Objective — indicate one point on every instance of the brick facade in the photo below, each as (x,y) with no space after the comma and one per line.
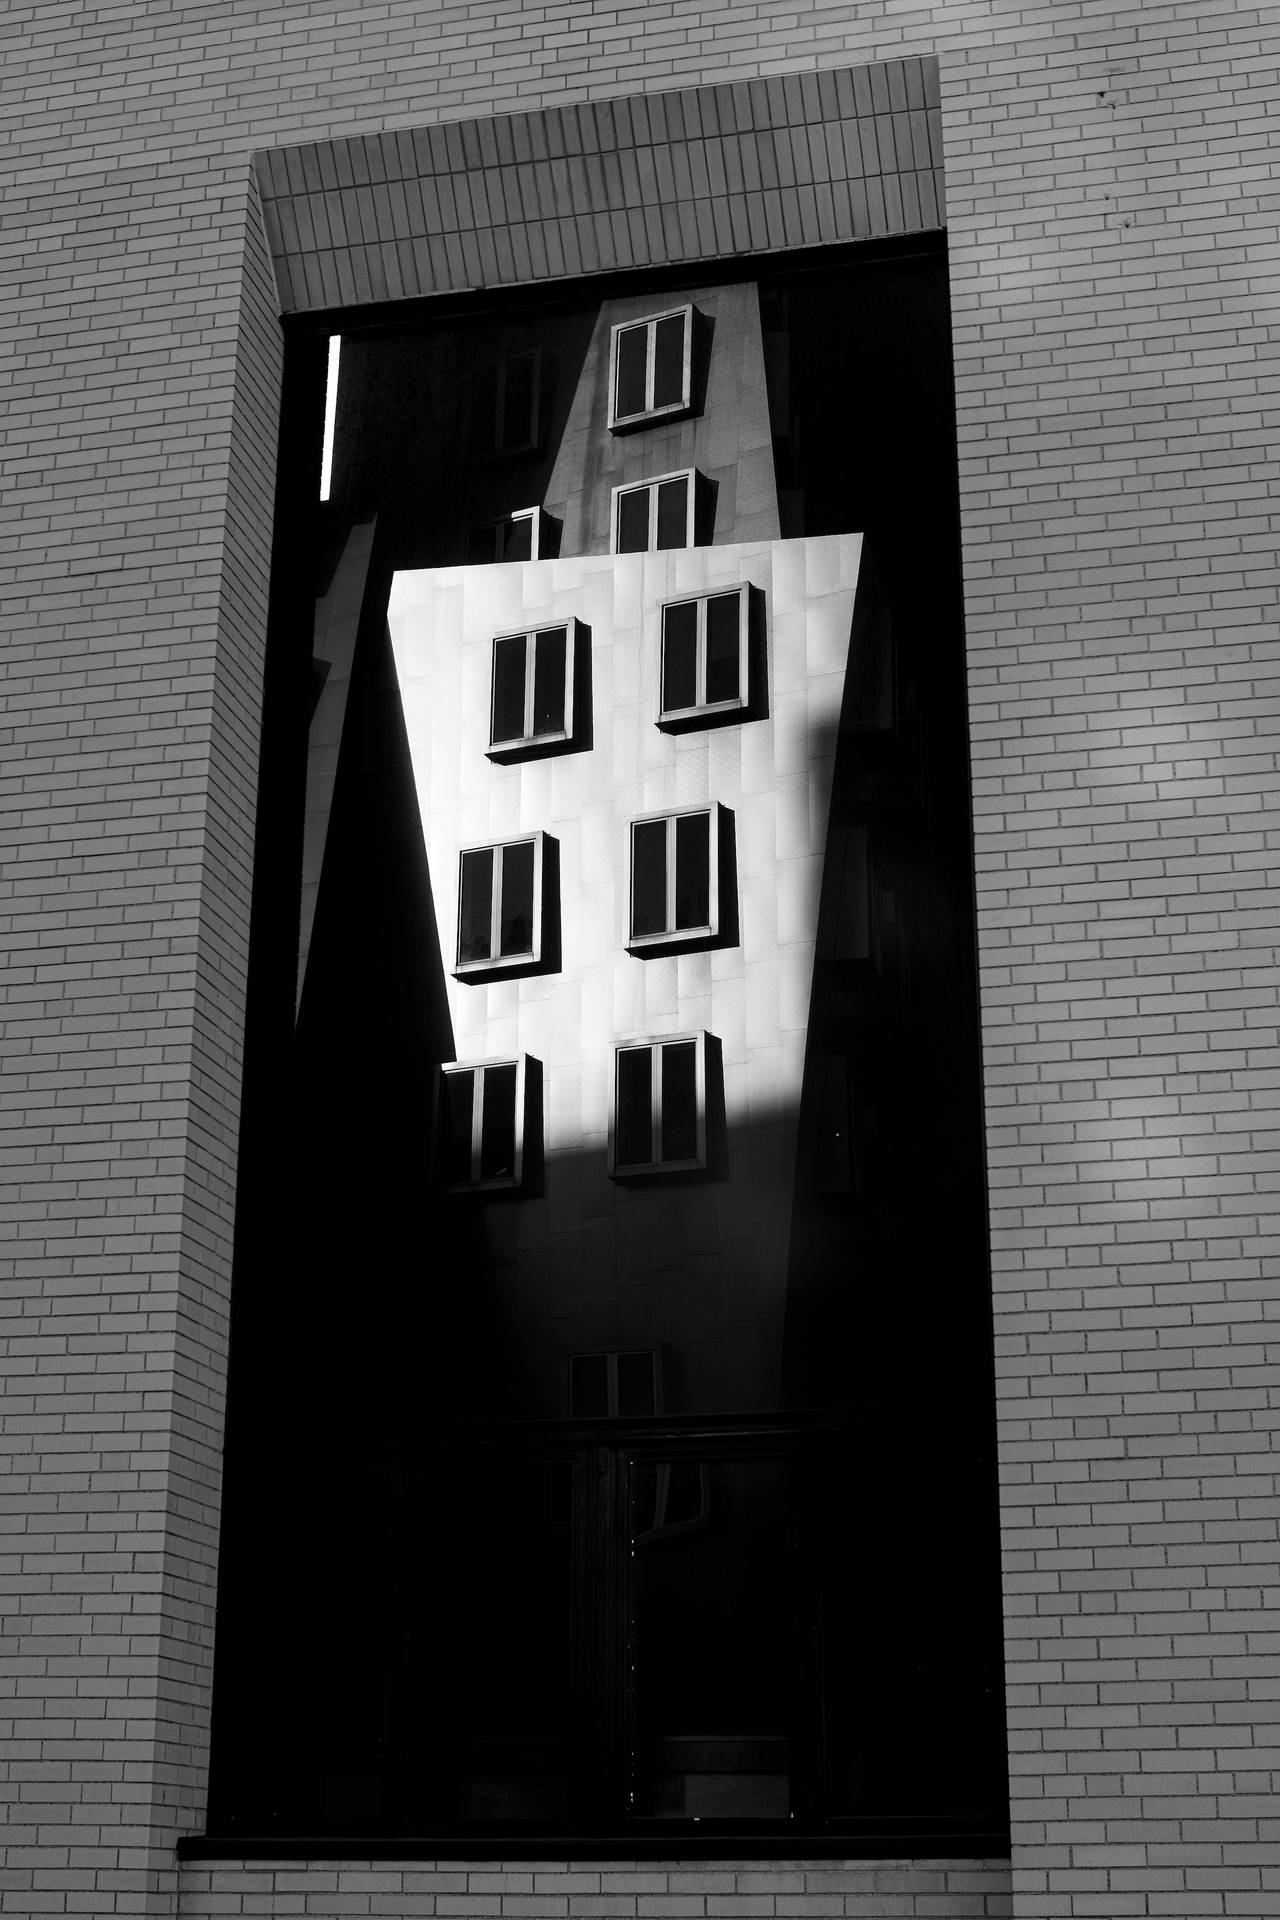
(1112,238)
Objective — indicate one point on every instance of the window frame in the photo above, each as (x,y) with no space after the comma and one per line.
(611,1356)
(534,514)
(704,708)
(479,1069)
(689,474)
(656,1168)
(497,964)
(673,936)
(490,447)
(529,743)
(671,409)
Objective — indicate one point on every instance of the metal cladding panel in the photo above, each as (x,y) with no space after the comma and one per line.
(678,182)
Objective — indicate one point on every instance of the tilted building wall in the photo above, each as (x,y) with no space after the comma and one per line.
(1111,237)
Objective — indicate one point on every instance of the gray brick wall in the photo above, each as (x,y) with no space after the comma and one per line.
(618,1890)
(1113,243)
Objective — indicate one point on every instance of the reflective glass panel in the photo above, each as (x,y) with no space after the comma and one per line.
(635,1385)
(693,871)
(475,911)
(633,521)
(548,681)
(589,1386)
(456,1106)
(483,545)
(634,1135)
(498,1124)
(715,1640)
(516,918)
(649,877)
(673,514)
(724,615)
(508,689)
(517,538)
(680,656)
(632,351)
(680,1101)
(518,418)
(668,362)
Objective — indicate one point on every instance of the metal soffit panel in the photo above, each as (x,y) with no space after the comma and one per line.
(791,160)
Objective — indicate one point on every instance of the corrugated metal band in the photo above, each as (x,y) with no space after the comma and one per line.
(793,160)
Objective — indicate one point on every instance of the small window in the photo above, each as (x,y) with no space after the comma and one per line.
(614,1386)
(656,515)
(518,536)
(504,406)
(704,655)
(480,1139)
(659,1108)
(651,369)
(500,907)
(532,695)
(675,892)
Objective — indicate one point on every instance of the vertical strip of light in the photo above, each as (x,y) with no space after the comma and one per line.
(330,414)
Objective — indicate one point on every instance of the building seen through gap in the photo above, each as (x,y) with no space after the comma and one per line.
(635,1021)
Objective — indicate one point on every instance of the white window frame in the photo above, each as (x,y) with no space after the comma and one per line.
(611,1357)
(528,740)
(535,539)
(646,1169)
(639,486)
(668,715)
(619,422)
(478,1069)
(673,935)
(468,969)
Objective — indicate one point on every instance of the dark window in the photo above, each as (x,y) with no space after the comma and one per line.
(660,1107)
(634,1127)
(532,688)
(656,516)
(608,1386)
(475,912)
(633,521)
(652,369)
(499,900)
(673,877)
(704,654)
(680,625)
(481,1134)
(515,537)
(504,406)
(631,371)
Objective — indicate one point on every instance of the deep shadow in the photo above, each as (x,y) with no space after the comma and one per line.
(398,1539)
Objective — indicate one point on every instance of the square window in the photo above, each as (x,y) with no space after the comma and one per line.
(504,406)
(651,369)
(481,1128)
(675,878)
(531,703)
(659,1108)
(500,907)
(656,515)
(704,664)
(517,536)
(614,1386)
